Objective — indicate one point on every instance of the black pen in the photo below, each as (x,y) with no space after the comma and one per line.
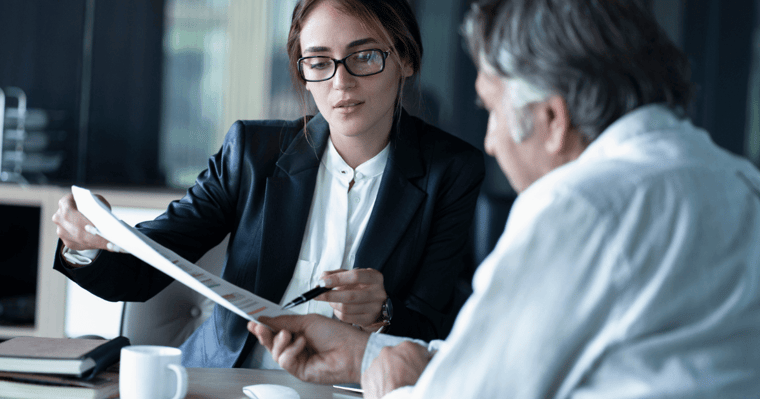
(306,296)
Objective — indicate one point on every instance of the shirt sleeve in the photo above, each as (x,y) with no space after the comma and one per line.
(401,393)
(83,257)
(379,341)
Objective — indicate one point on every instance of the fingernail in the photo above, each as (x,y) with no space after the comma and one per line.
(114,248)
(324,282)
(91,229)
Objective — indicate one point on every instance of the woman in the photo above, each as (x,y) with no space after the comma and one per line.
(362,196)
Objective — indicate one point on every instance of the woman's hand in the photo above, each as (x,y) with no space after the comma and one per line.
(75,230)
(358,296)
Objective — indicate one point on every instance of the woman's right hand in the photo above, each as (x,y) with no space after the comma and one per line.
(75,230)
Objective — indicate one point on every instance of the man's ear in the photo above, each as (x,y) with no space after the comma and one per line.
(557,123)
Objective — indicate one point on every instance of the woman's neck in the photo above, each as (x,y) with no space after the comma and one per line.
(359,149)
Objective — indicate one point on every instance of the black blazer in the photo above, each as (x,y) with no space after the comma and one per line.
(259,188)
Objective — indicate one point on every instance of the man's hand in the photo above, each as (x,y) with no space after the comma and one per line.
(75,230)
(313,347)
(358,296)
(395,367)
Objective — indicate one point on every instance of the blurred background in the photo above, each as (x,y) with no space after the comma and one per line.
(140,93)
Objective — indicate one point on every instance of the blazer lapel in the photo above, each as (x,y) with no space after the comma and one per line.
(287,200)
(397,199)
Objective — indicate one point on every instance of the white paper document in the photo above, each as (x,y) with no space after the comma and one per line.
(232,297)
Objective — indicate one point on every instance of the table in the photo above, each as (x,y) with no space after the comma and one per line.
(206,383)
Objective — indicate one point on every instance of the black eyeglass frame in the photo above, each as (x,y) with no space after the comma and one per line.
(342,61)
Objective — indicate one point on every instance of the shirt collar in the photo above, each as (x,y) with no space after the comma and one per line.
(637,123)
(338,167)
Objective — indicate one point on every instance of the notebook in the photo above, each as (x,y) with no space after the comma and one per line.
(66,356)
(39,386)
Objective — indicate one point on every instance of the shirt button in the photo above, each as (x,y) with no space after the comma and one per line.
(356,200)
(359,175)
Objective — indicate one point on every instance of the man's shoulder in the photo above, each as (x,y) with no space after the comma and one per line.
(679,173)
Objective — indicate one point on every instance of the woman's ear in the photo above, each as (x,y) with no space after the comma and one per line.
(406,69)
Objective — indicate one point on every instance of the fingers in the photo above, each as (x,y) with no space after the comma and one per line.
(70,227)
(281,341)
(357,286)
(358,295)
(296,324)
(76,231)
(374,307)
(291,354)
(337,278)
(286,351)
(262,333)
(109,245)
(278,345)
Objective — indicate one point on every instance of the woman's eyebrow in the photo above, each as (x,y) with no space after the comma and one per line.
(360,42)
(355,43)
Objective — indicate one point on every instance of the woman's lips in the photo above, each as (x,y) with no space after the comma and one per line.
(347,106)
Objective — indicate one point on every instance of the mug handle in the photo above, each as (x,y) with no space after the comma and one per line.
(181,374)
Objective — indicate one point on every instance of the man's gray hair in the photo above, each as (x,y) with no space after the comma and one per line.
(604,57)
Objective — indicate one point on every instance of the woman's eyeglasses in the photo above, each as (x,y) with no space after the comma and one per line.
(360,63)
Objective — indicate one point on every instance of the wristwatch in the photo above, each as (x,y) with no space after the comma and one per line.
(386,314)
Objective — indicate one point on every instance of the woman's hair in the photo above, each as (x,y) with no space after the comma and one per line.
(604,57)
(393,20)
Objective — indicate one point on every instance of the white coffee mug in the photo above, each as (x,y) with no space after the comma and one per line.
(151,372)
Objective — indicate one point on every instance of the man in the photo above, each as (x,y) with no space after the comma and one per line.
(629,264)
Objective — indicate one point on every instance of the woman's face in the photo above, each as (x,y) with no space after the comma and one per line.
(360,107)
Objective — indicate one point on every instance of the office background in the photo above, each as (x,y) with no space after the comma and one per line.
(144,90)
(136,95)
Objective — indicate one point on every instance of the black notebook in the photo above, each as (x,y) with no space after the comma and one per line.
(67,356)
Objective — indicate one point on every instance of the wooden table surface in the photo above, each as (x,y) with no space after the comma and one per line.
(228,384)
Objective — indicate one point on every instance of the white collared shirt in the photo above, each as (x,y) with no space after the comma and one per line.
(336,224)
(337,220)
(632,272)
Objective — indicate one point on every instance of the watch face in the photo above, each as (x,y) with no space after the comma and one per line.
(388,309)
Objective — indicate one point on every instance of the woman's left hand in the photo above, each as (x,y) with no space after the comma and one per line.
(358,296)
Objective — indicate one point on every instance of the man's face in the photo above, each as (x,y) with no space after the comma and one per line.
(524,162)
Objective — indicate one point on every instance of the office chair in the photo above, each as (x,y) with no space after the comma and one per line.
(488,224)
(174,313)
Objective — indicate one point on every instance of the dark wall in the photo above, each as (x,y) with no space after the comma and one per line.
(718,40)
(125,108)
(108,92)
(40,52)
